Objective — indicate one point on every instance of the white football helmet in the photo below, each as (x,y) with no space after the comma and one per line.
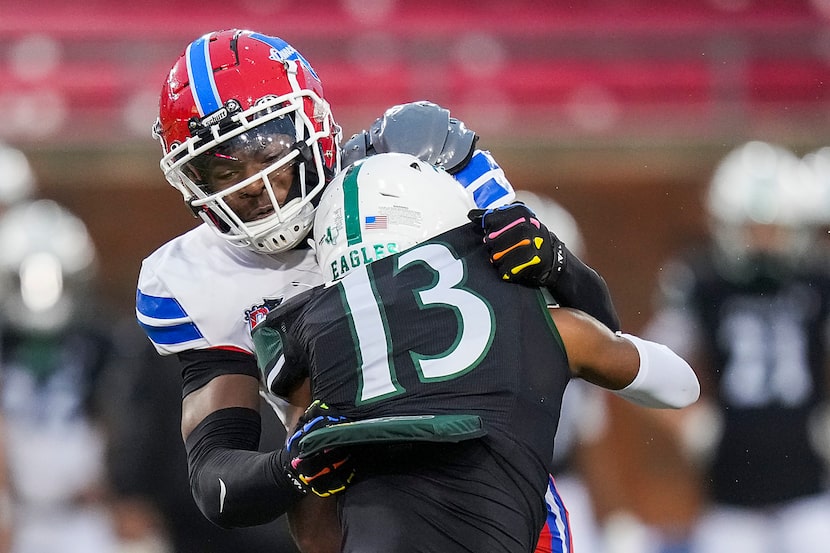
(17,180)
(817,168)
(47,261)
(760,202)
(382,205)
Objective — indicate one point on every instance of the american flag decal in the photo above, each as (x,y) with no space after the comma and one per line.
(376,222)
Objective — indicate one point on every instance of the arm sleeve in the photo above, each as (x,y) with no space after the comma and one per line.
(580,287)
(664,381)
(200,366)
(233,484)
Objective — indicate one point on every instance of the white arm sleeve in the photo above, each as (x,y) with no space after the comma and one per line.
(665,380)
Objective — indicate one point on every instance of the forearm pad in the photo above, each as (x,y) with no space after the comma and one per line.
(580,287)
(664,381)
(233,484)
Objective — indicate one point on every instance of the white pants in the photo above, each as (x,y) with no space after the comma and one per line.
(82,530)
(801,526)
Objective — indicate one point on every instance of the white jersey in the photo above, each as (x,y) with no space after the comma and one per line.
(197,291)
(200,292)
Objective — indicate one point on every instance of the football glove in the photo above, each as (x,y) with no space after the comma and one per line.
(325,472)
(520,247)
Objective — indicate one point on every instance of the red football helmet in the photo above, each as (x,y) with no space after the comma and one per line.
(237,91)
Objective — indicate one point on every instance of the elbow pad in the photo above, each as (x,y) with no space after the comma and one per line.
(233,484)
(665,380)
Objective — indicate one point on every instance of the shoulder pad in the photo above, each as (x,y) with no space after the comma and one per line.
(423,129)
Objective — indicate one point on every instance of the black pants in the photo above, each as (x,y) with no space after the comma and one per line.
(440,498)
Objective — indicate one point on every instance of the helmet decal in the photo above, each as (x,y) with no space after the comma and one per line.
(351,206)
(283,51)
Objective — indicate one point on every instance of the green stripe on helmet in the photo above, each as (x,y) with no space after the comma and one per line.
(351,205)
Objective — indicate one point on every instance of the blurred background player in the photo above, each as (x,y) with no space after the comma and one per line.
(17,183)
(17,180)
(52,358)
(751,310)
(816,171)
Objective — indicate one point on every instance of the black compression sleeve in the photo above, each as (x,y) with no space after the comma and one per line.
(580,287)
(200,366)
(233,484)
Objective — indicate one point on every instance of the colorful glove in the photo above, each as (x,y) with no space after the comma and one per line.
(326,472)
(521,248)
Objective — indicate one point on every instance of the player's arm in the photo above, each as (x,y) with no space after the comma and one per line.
(643,372)
(525,252)
(233,484)
(428,132)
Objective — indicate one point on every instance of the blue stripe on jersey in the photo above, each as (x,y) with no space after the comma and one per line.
(493,189)
(557,520)
(200,73)
(157,307)
(488,193)
(285,51)
(175,334)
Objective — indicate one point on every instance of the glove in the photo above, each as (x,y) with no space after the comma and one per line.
(521,248)
(326,472)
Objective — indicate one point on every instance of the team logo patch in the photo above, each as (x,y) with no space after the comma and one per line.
(258,313)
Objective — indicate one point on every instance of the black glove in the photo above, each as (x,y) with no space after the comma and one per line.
(422,129)
(326,472)
(520,247)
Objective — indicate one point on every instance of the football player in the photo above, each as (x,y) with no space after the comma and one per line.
(54,356)
(416,336)
(752,308)
(250,142)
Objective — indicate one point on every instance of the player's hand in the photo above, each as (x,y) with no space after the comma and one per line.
(325,473)
(520,247)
